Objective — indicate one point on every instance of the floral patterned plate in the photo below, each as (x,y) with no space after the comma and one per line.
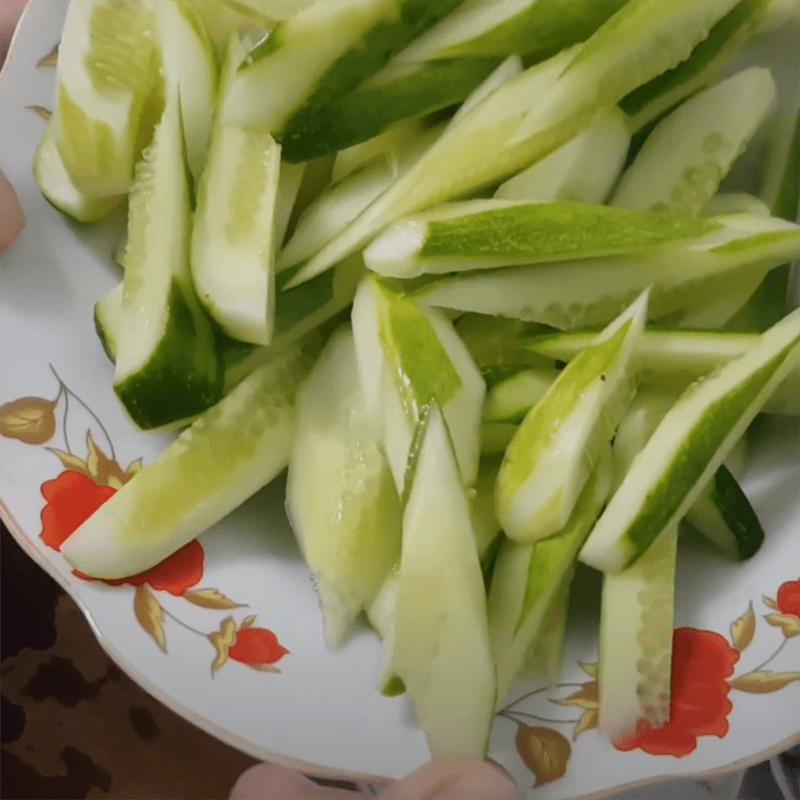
(227,631)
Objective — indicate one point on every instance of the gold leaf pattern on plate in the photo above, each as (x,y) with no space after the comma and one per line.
(763,681)
(264,668)
(247,621)
(211,598)
(589,669)
(44,113)
(742,629)
(587,722)
(768,601)
(70,461)
(544,751)
(788,623)
(105,470)
(587,697)
(30,419)
(222,640)
(51,59)
(150,615)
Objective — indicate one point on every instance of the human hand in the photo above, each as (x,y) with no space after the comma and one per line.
(452,779)
(12,220)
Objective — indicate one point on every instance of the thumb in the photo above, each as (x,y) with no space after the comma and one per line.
(12,220)
(454,779)
(271,782)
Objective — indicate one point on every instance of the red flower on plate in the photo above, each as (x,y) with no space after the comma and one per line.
(702,661)
(256,646)
(73,497)
(788,599)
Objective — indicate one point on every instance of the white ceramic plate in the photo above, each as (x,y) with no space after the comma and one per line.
(191,647)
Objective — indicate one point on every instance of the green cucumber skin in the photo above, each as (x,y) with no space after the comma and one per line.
(513,232)
(383,41)
(667,495)
(545,27)
(745,534)
(370,109)
(299,302)
(732,30)
(182,377)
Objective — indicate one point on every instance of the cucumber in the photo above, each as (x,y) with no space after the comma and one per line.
(735,203)
(674,357)
(441,645)
(545,658)
(640,41)
(448,169)
(716,312)
(497,436)
(407,359)
(723,514)
(527,27)
(168,364)
(226,455)
(590,291)
(552,455)
(704,66)
(583,170)
(188,71)
(689,152)
(339,204)
(485,525)
(107,101)
(108,320)
(511,399)
(301,67)
(340,495)
(688,446)
(486,234)
(636,625)
(379,147)
(527,578)
(290,178)
(233,237)
(57,187)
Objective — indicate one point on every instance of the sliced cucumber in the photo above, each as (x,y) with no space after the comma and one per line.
(57,187)
(107,69)
(704,66)
(448,169)
(382,146)
(108,321)
(640,41)
(226,455)
(290,179)
(340,496)
(441,645)
(407,359)
(555,450)
(484,234)
(583,170)
(339,204)
(497,436)
(188,71)
(545,657)
(636,625)
(735,203)
(723,514)
(672,358)
(688,446)
(590,291)
(511,399)
(168,364)
(233,238)
(527,578)
(689,152)
(526,27)
(485,525)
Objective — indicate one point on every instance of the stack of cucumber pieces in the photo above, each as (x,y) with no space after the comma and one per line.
(466,268)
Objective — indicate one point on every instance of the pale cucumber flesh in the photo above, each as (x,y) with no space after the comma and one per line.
(226,455)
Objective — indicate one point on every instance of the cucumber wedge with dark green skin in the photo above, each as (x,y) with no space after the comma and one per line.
(688,447)
(703,66)
(168,365)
